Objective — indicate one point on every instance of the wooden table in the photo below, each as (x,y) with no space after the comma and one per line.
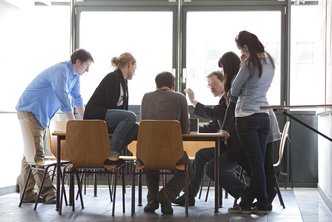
(215,137)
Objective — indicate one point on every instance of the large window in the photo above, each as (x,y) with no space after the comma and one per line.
(307,58)
(147,35)
(211,34)
(30,44)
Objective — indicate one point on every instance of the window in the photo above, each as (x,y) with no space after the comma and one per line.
(210,35)
(28,45)
(147,35)
(307,74)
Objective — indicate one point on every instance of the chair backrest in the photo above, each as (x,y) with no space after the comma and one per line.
(87,143)
(29,147)
(282,144)
(52,140)
(132,147)
(159,144)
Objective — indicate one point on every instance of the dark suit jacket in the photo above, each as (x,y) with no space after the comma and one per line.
(215,114)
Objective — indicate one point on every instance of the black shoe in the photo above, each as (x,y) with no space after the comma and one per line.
(181,200)
(259,211)
(166,206)
(239,210)
(269,208)
(151,207)
(114,162)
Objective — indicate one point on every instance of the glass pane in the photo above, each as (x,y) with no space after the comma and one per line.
(307,63)
(147,35)
(28,45)
(211,34)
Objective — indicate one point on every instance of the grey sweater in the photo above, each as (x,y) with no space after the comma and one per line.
(166,105)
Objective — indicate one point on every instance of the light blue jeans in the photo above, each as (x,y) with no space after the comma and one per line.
(122,124)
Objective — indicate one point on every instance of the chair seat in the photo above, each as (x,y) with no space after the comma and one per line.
(128,157)
(50,157)
(47,163)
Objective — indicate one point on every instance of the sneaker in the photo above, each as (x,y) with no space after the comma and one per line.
(166,206)
(259,211)
(51,200)
(151,207)
(40,200)
(239,210)
(114,162)
(269,208)
(181,200)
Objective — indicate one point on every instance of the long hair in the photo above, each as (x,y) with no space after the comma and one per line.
(255,47)
(230,63)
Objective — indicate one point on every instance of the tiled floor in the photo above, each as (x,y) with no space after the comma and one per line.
(302,204)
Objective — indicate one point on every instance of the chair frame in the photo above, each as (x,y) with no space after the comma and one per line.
(284,138)
(29,154)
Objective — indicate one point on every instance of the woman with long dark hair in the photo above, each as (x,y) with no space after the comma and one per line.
(247,95)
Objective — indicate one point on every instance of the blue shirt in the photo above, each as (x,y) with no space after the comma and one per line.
(50,91)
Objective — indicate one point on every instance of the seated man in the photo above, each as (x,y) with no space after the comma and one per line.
(165,104)
(205,156)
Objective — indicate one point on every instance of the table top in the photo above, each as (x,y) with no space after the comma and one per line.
(198,135)
(280,107)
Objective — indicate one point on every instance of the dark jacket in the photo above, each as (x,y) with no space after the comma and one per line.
(107,95)
(235,151)
(214,114)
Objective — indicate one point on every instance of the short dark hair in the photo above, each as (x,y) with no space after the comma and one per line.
(165,79)
(82,55)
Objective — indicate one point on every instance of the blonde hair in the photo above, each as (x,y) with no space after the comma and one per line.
(123,60)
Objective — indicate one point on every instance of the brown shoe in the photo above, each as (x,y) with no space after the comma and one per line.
(40,200)
(51,200)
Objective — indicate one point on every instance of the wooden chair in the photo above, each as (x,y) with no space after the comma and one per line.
(60,125)
(191,148)
(282,144)
(159,147)
(30,154)
(87,147)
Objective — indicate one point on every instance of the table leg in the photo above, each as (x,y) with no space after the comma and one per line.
(58,172)
(216,175)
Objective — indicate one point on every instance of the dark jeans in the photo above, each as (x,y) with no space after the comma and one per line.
(172,188)
(253,132)
(122,124)
(270,173)
(227,179)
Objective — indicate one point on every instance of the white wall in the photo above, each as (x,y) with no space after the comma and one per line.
(325,158)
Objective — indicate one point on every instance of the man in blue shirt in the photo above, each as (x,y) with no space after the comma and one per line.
(51,90)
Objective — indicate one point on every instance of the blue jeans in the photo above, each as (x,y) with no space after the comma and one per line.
(122,124)
(253,132)
(227,179)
